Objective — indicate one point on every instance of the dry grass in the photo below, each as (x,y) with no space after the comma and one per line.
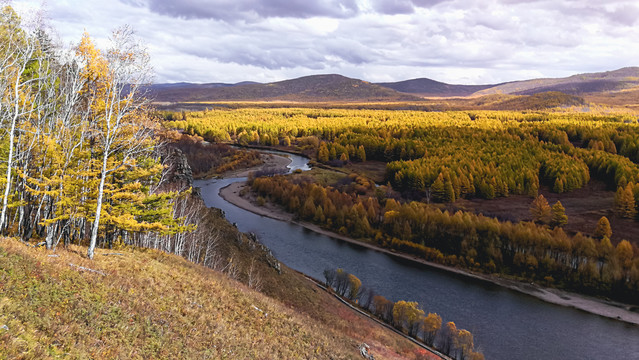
(154,305)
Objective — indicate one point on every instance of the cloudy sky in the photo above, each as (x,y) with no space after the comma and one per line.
(455,41)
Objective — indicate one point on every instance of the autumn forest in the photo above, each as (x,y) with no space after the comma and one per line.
(431,160)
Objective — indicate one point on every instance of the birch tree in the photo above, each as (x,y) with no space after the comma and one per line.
(120,131)
(16,52)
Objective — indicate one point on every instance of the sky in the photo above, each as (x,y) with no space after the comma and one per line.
(453,41)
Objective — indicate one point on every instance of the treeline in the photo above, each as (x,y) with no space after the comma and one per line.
(206,159)
(525,250)
(406,316)
(80,156)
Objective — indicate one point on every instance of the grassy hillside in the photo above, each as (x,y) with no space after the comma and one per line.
(149,304)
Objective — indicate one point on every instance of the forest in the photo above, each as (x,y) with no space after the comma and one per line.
(84,161)
(431,160)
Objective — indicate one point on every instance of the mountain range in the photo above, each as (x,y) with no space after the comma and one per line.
(332,87)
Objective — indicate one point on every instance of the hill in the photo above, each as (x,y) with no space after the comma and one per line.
(140,303)
(315,88)
(575,85)
(431,88)
(538,101)
(612,88)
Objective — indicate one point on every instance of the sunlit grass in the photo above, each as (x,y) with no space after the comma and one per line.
(151,305)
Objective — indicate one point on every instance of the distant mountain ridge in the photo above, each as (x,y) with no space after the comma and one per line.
(333,87)
(309,88)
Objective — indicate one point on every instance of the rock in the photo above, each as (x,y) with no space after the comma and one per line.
(178,170)
(364,351)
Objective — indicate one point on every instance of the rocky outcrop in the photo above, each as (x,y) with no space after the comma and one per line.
(178,172)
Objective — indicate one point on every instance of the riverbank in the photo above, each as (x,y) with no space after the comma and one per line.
(613,310)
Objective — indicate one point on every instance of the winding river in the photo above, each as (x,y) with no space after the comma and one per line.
(506,324)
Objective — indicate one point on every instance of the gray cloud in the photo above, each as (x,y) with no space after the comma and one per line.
(457,41)
(235,10)
(395,7)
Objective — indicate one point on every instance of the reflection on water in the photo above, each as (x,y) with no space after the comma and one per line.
(505,324)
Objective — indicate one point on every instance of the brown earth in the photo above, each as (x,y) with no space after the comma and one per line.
(584,208)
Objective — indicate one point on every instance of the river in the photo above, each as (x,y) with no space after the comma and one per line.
(506,324)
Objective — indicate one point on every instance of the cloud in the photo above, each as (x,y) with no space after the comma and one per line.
(394,7)
(460,41)
(249,10)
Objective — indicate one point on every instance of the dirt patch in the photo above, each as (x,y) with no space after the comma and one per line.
(374,170)
(584,207)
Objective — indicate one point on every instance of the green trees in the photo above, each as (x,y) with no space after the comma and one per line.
(21,65)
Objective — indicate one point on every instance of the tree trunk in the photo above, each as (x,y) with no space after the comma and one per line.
(96,222)
(7,190)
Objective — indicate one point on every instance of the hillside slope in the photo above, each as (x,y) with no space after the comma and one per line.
(309,88)
(575,85)
(148,304)
(431,88)
(337,88)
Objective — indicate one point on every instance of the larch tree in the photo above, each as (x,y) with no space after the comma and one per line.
(624,254)
(603,229)
(540,210)
(625,202)
(322,153)
(465,345)
(361,153)
(449,337)
(558,215)
(355,284)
